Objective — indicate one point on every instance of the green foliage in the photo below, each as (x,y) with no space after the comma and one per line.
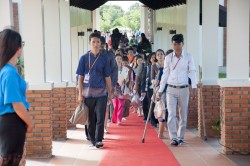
(217,125)
(20,66)
(113,16)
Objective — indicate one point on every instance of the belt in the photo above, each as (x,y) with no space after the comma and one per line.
(178,87)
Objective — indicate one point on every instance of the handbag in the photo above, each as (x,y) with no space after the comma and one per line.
(159,110)
(81,115)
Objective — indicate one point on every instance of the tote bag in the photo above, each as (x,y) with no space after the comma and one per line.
(81,115)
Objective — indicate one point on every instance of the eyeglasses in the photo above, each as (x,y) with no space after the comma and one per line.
(23,43)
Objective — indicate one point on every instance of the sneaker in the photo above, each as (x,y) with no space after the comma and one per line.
(174,143)
(181,142)
(91,145)
(99,145)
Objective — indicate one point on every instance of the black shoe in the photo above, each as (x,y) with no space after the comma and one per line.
(181,142)
(99,145)
(174,143)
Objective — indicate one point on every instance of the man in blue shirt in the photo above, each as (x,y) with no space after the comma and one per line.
(94,84)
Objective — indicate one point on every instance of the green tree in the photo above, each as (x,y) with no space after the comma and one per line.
(113,16)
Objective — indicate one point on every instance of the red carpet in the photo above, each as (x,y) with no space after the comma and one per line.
(123,146)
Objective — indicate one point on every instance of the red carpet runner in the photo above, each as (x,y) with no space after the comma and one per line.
(123,146)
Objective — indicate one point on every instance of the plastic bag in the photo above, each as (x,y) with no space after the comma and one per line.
(159,111)
(135,101)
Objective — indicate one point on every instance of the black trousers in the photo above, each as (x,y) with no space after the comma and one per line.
(97,110)
(12,138)
(152,116)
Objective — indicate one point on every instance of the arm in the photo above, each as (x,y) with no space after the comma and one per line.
(23,114)
(109,88)
(80,84)
(192,72)
(166,72)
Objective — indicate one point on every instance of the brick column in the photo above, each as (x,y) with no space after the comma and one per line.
(39,142)
(192,112)
(211,105)
(235,121)
(59,113)
(70,104)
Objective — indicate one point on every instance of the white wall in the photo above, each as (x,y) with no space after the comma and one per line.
(6,14)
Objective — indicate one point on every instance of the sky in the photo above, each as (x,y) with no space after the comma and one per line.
(124,4)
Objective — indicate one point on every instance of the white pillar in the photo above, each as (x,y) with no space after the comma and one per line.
(237,43)
(65,41)
(52,41)
(6,14)
(210,43)
(96,19)
(74,51)
(193,28)
(144,20)
(34,57)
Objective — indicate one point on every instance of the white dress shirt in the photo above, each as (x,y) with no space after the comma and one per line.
(177,71)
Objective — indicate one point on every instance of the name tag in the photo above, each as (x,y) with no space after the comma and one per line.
(86,78)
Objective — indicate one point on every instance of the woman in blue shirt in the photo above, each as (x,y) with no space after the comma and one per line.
(14,118)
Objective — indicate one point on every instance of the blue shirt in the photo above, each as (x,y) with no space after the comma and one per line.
(114,68)
(12,89)
(96,86)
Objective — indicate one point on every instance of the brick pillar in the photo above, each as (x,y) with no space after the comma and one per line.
(211,105)
(235,121)
(59,113)
(70,103)
(39,142)
(192,112)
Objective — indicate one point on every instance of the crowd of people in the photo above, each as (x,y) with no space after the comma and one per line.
(114,77)
(133,74)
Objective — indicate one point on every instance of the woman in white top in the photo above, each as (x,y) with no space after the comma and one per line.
(118,100)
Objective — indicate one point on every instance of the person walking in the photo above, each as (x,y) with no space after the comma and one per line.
(178,67)
(94,85)
(15,120)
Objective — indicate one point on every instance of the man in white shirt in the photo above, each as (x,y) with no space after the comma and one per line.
(178,67)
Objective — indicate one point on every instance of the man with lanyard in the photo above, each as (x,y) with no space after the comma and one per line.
(178,66)
(94,85)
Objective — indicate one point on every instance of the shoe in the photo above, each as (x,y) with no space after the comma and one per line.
(91,145)
(181,142)
(106,130)
(118,123)
(99,145)
(124,119)
(174,143)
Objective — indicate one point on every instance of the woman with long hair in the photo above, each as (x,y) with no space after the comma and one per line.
(156,74)
(14,118)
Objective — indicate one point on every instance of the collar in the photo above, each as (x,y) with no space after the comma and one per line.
(183,54)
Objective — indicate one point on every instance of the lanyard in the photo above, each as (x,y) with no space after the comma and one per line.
(176,62)
(90,67)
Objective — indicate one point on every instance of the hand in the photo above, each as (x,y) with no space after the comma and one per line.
(194,93)
(158,96)
(143,94)
(80,99)
(30,127)
(109,99)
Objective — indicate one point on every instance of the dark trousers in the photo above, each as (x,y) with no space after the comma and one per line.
(145,107)
(152,116)
(97,110)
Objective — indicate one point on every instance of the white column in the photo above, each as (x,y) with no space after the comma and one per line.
(6,14)
(65,41)
(34,60)
(210,43)
(96,19)
(52,41)
(237,43)
(144,20)
(193,28)
(74,51)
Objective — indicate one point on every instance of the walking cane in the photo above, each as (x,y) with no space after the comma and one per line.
(149,113)
(202,106)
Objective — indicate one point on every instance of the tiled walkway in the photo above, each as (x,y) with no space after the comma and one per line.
(75,152)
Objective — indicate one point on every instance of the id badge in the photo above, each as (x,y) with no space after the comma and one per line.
(86,78)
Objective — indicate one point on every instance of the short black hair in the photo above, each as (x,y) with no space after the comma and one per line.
(103,40)
(178,38)
(125,59)
(94,34)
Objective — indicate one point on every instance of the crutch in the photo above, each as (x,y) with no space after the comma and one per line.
(202,106)
(149,113)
